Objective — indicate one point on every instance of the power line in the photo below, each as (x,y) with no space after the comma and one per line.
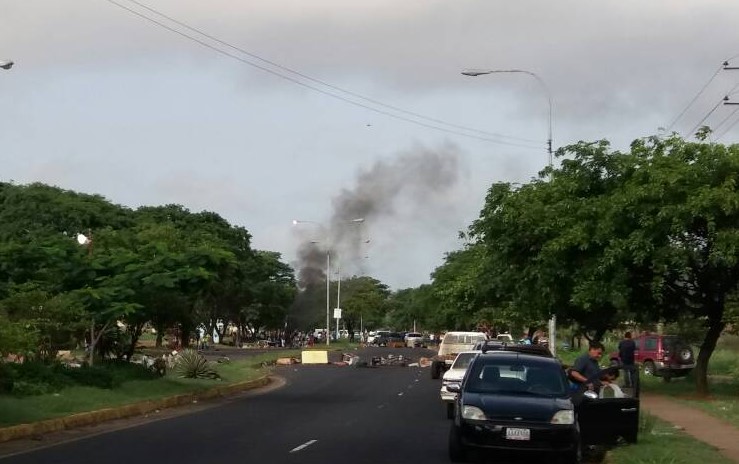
(726,119)
(692,131)
(700,92)
(322,91)
(730,126)
(321,82)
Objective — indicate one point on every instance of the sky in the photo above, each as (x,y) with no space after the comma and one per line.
(104,101)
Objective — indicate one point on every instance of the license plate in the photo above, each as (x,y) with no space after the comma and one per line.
(518,434)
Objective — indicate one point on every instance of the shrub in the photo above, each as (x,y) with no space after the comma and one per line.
(192,365)
(94,376)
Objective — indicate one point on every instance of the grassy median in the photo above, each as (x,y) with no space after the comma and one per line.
(75,399)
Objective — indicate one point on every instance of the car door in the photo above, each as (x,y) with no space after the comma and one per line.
(604,420)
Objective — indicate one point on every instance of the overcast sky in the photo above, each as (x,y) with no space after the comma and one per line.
(103,101)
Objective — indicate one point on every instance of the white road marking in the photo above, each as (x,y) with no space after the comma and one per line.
(380,406)
(400,394)
(303,446)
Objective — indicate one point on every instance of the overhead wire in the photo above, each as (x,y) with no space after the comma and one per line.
(692,131)
(723,121)
(322,91)
(730,126)
(321,82)
(700,92)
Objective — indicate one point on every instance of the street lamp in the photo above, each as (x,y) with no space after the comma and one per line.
(480,72)
(338,283)
(297,222)
(6,64)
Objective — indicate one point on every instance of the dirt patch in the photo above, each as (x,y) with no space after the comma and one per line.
(708,429)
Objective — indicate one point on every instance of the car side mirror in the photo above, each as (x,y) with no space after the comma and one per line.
(454,388)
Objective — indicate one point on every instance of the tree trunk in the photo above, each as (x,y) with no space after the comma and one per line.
(715,327)
(95,338)
(135,335)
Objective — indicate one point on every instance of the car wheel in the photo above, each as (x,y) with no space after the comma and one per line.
(435,369)
(574,457)
(596,454)
(450,410)
(649,368)
(457,453)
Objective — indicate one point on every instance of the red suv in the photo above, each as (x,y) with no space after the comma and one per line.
(662,355)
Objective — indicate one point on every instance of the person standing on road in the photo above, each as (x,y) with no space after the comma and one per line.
(626,349)
(586,366)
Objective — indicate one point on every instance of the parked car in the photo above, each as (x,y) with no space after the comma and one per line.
(375,334)
(454,376)
(451,344)
(414,339)
(512,403)
(666,356)
(387,338)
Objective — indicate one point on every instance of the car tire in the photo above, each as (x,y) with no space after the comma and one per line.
(649,368)
(596,454)
(574,457)
(457,452)
(450,410)
(435,369)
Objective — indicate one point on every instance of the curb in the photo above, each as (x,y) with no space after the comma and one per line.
(82,419)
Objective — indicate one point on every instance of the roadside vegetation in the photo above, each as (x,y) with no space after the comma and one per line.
(130,384)
(662,443)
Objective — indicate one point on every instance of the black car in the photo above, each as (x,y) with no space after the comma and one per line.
(386,338)
(513,404)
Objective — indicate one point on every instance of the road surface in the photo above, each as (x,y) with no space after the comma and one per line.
(322,414)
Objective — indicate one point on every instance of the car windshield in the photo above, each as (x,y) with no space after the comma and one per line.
(463,360)
(513,376)
(463,338)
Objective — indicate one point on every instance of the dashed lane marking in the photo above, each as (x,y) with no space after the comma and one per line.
(303,446)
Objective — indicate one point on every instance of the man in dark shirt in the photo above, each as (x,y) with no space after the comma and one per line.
(626,348)
(586,366)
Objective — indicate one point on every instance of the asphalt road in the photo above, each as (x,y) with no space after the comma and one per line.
(322,414)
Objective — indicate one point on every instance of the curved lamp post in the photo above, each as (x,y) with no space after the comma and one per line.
(480,72)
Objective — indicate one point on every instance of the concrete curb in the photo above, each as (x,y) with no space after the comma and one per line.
(129,410)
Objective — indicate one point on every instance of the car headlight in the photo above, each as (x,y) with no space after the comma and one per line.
(472,413)
(565,416)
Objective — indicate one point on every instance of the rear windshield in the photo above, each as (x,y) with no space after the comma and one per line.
(463,360)
(470,339)
(414,334)
(514,376)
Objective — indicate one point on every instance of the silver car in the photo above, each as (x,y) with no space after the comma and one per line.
(454,376)
(413,339)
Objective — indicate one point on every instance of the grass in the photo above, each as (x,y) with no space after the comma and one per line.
(666,445)
(80,399)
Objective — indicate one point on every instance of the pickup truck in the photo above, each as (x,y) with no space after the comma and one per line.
(452,344)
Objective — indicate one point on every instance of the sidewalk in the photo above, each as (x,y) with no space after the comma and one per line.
(694,422)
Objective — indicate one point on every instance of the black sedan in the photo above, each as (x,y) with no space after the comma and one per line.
(514,404)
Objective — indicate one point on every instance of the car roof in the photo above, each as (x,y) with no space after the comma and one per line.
(528,358)
(537,350)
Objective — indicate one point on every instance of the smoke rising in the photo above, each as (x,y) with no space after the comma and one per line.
(415,180)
